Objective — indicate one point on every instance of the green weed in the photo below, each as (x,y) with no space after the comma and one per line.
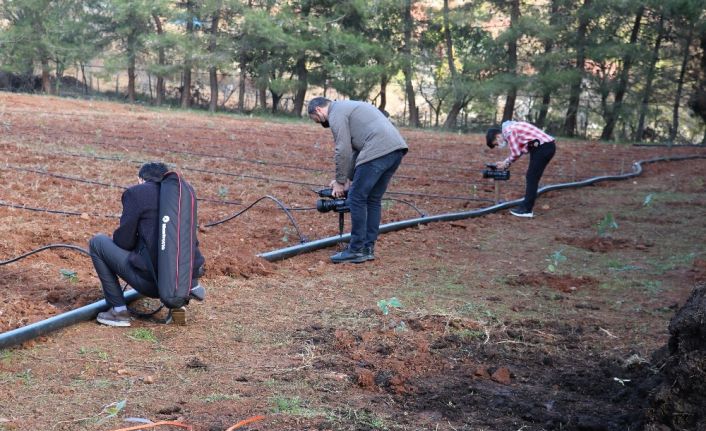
(25,376)
(143,334)
(220,397)
(606,225)
(477,312)
(292,406)
(386,304)
(653,287)
(69,274)
(88,351)
(222,192)
(362,418)
(554,260)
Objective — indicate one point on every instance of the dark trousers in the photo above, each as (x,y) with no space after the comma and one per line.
(370,181)
(539,159)
(112,262)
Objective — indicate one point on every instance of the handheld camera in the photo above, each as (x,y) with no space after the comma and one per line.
(495,173)
(330,203)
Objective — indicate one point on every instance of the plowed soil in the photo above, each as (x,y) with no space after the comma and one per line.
(485,334)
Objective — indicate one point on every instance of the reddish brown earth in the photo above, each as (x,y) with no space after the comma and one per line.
(487,337)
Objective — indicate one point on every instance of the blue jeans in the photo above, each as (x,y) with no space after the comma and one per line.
(370,181)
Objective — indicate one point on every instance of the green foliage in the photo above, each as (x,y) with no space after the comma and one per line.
(607,224)
(142,334)
(554,260)
(648,200)
(112,410)
(386,304)
(222,192)
(69,275)
(292,406)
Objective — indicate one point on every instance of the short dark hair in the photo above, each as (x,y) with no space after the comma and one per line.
(315,103)
(491,134)
(153,171)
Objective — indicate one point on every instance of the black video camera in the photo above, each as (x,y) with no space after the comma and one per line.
(495,173)
(331,203)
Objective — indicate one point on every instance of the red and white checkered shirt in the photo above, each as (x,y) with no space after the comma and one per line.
(518,135)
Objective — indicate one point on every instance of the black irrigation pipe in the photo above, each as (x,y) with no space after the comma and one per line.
(34,330)
(46,247)
(86,181)
(275,200)
(44,210)
(278,180)
(288,252)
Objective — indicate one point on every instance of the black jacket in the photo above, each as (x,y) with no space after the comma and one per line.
(139,226)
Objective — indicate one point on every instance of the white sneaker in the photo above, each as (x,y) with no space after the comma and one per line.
(520,212)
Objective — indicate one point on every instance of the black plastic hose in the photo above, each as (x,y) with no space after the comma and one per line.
(287,252)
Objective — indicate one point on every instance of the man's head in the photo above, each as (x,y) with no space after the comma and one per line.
(318,110)
(153,171)
(493,137)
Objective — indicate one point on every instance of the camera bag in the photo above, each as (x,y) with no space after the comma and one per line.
(176,245)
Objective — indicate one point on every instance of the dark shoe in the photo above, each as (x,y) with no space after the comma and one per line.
(349,256)
(521,212)
(178,316)
(369,252)
(113,318)
(198,293)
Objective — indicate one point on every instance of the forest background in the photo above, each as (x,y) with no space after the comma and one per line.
(609,69)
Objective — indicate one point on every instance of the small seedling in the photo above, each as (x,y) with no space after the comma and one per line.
(605,225)
(287,232)
(554,260)
(69,275)
(112,410)
(222,192)
(386,304)
(648,200)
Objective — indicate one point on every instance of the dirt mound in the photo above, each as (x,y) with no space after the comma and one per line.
(678,402)
(561,282)
(600,244)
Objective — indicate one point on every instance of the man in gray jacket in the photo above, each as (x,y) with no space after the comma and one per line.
(368,151)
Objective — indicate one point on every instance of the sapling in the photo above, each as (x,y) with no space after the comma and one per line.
(554,260)
(605,225)
(69,275)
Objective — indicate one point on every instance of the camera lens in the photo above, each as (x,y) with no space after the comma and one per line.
(325,205)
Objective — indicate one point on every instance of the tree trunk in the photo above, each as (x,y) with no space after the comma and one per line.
(548,47)
(680,86)
(648,84)
(459,101)
(83,74)
(383,92)
(212,71)
(241,84)
(614,113)
(263,97)
(407,68)
(452,117)
(46,81)
(186,83)
(161,59)
(512,62)
(575,91)
(302,86)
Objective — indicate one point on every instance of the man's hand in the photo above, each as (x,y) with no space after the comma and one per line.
(502,165)
(338,189)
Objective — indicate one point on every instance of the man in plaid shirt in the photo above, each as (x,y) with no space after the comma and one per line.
(523,138)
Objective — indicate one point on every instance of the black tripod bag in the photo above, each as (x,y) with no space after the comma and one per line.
(176,244)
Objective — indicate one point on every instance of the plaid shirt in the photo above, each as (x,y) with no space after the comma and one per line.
(518,135)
